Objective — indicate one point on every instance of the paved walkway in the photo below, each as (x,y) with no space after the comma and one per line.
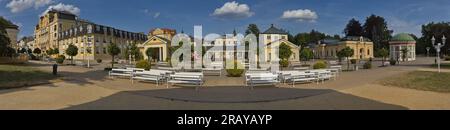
(353,90)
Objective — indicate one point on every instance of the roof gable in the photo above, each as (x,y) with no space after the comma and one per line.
(274,30)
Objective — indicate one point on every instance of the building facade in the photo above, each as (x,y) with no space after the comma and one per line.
(92,40)
(12,32)
(400,42)
(159,41)
(26,42)
(49,25)
(328,48)
(273,37)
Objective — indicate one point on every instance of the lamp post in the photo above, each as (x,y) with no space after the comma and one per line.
(428,51)
(129,54)
(438,47)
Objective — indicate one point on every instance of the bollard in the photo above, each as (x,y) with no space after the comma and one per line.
(55,69)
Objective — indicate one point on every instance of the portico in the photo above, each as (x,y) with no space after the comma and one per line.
(158,47)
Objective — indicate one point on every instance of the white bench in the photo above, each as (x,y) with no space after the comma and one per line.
(286,75)
(301,68)
(148,76)
(253,79)
(323,74)
(333,62)
(186,78)
(336,67)
(121,72)
(167,68)
(296,64)
(136,69)
(301,77)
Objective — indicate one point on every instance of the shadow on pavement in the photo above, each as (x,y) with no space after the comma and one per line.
(234,98)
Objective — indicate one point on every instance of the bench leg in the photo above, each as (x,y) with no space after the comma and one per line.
(293,84)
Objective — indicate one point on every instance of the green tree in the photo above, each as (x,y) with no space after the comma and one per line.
(353,28)
(72,51)
(306,54)
(377,30)
(384,54)
(253,29)
(23,50)
(347,52)
(113,50)
(134,51)
(285,51)
(37,51)
(437,30)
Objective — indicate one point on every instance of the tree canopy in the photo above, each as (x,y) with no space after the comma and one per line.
(285,51)
(437,30)
(353,28)
(376,29)
(72,51)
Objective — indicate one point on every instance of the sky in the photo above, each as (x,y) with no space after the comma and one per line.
(224,16)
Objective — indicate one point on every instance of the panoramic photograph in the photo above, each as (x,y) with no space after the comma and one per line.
(224,55)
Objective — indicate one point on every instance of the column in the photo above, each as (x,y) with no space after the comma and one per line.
(160,52)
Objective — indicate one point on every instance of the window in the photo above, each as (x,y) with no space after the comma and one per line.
(268,37)
(104,50)
(368,52)
(283,37)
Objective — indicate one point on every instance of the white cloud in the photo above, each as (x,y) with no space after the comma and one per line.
(156,15)
(63,7)
(233,10)
(153,14)
(20,5)
(300,15)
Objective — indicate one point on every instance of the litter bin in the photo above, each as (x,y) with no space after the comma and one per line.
(55,69)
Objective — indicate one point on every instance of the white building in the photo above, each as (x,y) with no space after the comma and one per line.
(398,43)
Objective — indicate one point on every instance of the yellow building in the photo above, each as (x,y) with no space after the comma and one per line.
(274,36)
(92,40)
(159,41)
(328,48)
(49,25)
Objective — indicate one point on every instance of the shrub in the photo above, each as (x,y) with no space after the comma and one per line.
(143,64)
(235,72)
(237,69)
(368,65)
(99,60)
(392,62)
(353,61)
(284,63)
(320,65)
(60,59)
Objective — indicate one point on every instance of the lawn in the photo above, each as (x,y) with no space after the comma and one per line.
(421,80)
(20,76)
(443,65)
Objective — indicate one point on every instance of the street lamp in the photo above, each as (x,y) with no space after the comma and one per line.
(428,51)
(438,47)
(129,54)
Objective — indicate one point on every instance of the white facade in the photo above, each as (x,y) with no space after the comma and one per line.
(396,51)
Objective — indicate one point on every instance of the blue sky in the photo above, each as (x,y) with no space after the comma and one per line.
(222,16)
